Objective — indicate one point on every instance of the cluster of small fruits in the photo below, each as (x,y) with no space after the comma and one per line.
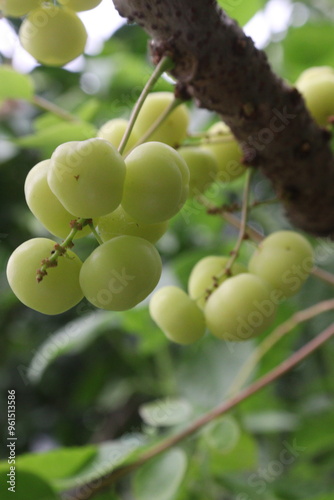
(52,34)
(126,198)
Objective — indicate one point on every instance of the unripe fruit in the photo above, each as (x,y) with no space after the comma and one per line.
(240,309)
(45,205)
(87,177)
(18,8)
(113,131)
(120,273)
(119,222)
(284,259)
(173,130)
(58,291)
(80,5)
(53,35)
(177,315)
(317,88)
(201,277)
(156,183)
(228,154)
(203,168)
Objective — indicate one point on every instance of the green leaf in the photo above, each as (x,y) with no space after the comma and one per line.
(161,478)
(47,139)
(27,485)
(139,323)
(166,412)
(244,455)
(241,11)
(270,421)
(74,337)
(14,85)
(221,435)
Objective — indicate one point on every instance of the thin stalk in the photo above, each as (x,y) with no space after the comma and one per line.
(46,105)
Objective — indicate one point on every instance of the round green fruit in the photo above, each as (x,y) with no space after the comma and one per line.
(80,5)
(284,259)
(228,154)
(53,35)
(120,273)
(45,205)
(119,222)
(156,183)
(314,72)
(113,131)
(202,276)
(203,168)
(177,315)
(240,309)
(18,8)
(87,177)
(174,128)
(58,291)
(317,88)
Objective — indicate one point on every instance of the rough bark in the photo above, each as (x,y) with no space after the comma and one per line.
(217,65)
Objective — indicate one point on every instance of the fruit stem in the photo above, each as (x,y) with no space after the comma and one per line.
(60,250)
(95,233)
(164,64)
(42,103)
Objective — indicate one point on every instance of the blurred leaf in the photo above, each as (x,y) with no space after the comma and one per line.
(241,10)
(47,139)
(166,412)
(222,435)
(72,338)
(139,323)
(270,421)
(160,478)
(244,455)
(14,85)
(27,485)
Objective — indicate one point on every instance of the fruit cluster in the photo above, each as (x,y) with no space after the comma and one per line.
(126,197)
(52,34)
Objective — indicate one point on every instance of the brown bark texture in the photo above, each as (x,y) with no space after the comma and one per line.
(219,66)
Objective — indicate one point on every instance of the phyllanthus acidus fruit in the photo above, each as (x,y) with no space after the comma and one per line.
(45,205)
(58,291)
(120,273)
(156,183)
(87,177)
(317,87)
(203,168)
(207,273)
(119,223)
(53,35)
(284,259)
(18,8)
(228,154)
(80,5)
(177,315)
(114,130)
(173,130)
(240,309)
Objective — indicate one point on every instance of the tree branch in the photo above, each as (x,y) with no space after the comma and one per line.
(219,66)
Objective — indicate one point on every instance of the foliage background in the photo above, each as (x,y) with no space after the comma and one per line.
(84,376)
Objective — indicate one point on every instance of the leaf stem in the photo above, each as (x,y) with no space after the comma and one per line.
(165,64)
(46,105)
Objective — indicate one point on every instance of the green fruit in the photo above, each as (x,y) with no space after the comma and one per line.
(173,130)
(18,8)
(80,5)
(156,183)
(45,205)
(240,309)
(113,131)
(53,35)
(177,315)
(317,87)
(120,273)
(87,177)
(284,259)
(228,154)
(203,168)
(58,291)
(119,222)
(201,277)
